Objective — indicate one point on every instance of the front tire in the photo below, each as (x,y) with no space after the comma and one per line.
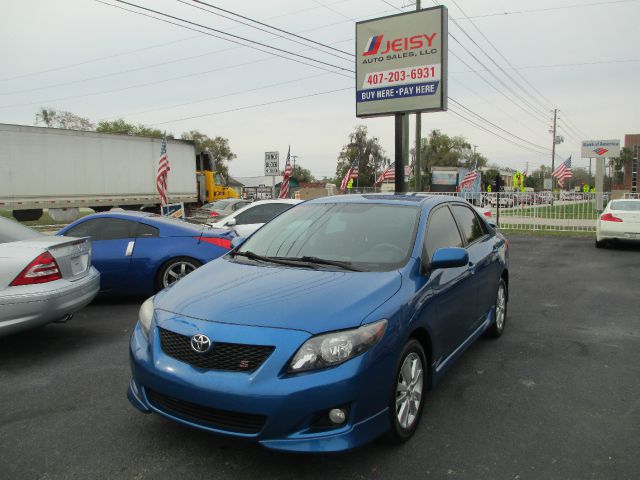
(407,401)
(174,269)
(497,327)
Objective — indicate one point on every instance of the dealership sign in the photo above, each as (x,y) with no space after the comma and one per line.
(600,148)
(401,63)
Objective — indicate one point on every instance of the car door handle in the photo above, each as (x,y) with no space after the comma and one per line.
(129,251)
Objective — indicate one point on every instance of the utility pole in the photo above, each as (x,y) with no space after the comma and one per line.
(553,149)
(294,160)
(417,173)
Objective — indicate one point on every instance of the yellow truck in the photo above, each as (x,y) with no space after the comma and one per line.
(211,185)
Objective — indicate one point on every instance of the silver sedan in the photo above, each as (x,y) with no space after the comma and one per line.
(42,278)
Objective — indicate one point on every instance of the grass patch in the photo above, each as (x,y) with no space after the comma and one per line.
(548,233)
(578,210)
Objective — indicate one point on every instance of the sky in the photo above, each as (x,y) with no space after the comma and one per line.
(102,62)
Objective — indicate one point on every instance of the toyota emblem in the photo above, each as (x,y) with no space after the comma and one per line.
(200,343)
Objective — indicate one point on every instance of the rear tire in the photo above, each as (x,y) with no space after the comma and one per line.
(407,396)
(601,243)
(497,327)
(174,269)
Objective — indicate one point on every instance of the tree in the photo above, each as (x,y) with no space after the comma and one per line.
(122,127)
(618,163)
(366,153)
(53,118)
(217,147)
(302,174)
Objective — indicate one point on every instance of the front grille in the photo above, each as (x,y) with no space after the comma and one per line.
(211,417)
(222,356)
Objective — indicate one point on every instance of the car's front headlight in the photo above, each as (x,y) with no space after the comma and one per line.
(333,348)
(146,315)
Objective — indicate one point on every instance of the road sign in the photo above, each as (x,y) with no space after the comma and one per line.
(271,164)
(401,63)
(600,148)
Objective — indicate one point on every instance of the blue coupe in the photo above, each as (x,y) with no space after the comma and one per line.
(140,253)
(325,329)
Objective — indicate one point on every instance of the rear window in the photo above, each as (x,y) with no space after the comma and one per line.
(12,231)
(626,205)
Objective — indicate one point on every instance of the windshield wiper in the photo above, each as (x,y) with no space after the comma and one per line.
(282,261)
(324,261)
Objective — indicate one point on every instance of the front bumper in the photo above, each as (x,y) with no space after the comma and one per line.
(34,305)
(290,404)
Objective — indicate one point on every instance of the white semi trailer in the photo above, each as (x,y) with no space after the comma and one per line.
(63,170)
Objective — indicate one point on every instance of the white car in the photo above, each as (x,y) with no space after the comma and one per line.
(620,220)
(248,219)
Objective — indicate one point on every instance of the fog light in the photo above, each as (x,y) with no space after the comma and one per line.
(337,415)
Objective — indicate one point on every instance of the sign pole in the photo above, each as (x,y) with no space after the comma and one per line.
(417,174)
(599,183)
(399,154)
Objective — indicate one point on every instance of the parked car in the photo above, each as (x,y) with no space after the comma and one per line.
(139,253)
(620,220)
(42,278)
(219,209)
(251,217)
(326,327)
(506,200)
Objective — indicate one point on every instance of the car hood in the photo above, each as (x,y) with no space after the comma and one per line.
(278,296)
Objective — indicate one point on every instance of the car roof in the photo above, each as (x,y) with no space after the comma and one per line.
(292,201)
(150,218)
(409,198)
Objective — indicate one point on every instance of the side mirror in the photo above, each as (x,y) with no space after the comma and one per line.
(450,257)
(231,222)
(237,241)
(493,225)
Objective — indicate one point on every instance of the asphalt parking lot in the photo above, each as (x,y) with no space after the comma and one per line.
(557,397)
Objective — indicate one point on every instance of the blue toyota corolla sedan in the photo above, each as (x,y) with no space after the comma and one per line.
(138,253)
(326,328)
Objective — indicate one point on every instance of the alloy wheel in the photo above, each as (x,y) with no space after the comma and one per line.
(176,271)
(409,390)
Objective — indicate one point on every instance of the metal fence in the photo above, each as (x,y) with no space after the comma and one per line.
(561,211)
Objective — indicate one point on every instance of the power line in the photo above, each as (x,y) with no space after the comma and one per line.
(246,107)
(545,107)
(236,37)
(524,147)
(263,24)
(237,92)
(97,59)
(480,117)
(517,95)
(146,84)
(548,9)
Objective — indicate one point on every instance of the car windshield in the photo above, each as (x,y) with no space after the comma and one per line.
(11,231)
(626,205)
(366,236)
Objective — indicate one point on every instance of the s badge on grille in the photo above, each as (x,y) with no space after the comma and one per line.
(200,343)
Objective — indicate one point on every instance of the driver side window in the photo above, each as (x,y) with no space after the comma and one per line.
(442,231)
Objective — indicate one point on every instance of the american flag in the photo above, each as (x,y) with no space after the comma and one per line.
(563,172)
(163,171)
(470,178)
(286,175)
(388,174)
(351,173)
